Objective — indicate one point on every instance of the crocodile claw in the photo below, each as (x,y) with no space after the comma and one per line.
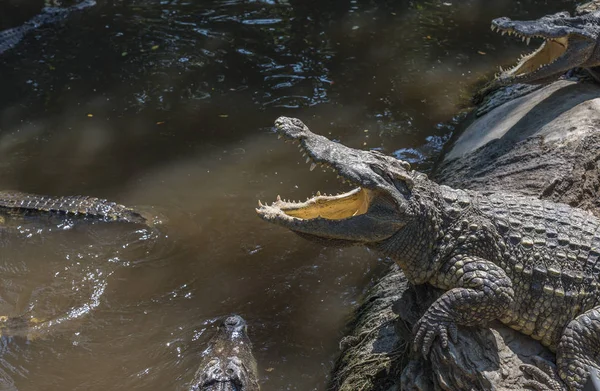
(430,326)
(544,376)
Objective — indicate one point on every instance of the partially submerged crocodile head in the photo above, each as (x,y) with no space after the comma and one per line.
(20,326)
(569,42)
(387,196)
(227,363)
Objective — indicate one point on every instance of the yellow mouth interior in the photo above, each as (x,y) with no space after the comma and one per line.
(342,206)
(550,50)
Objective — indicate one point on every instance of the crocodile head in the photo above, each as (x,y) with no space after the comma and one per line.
(380,206)
(227,363)
(568,42)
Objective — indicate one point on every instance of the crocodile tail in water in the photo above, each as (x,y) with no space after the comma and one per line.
(11,37)
(71,205)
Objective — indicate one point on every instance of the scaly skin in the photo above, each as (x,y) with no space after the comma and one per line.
(532,264)
(228,364)
(11,37)
(71,205)
(569,42)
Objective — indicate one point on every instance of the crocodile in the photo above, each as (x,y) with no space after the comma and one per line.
(228,364)
(531,264)
(9,38)
(21,326)
(568,42)
(15,202)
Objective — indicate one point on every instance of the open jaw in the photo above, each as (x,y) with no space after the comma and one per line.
(329,207)
(357,216)
(341,217)
(550,52)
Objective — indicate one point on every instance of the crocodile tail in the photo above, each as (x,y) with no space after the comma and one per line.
(71,205)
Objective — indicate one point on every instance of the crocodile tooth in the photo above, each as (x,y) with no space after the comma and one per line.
(304,154)
(278,136)
(492,27)
(501,70)
(523,39)
(312,166)
(260,203)
(308,160)
(528,39)
(504,32)
(278,197)
(318,193)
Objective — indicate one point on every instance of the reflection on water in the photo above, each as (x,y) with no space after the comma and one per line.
(168,106)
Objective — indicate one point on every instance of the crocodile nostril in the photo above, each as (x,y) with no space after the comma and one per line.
(233,321)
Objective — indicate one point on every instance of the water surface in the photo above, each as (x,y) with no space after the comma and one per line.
(168,106)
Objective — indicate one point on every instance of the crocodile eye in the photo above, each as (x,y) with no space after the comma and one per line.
(401,186)
(377,170)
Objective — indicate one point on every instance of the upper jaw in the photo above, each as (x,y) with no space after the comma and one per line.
(319,151)
(560,25)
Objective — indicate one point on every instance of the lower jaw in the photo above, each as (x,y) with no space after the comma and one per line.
(527,78)
(343,206)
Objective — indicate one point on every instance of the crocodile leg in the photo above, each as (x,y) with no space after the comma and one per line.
(578,350)
(481,291)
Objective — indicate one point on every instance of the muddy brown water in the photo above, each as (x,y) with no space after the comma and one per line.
(168,105)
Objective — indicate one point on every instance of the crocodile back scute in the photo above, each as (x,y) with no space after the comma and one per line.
(72,205)
(551,254)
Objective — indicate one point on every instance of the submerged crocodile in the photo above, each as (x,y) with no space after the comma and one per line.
(17,202)
(568,42)
(9,38)
(532,264)
(22,326)
(228,364)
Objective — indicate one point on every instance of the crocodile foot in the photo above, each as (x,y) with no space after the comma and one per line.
(430,326)
(544,376)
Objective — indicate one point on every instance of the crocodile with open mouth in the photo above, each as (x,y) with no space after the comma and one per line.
(533,265)
(568,42)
